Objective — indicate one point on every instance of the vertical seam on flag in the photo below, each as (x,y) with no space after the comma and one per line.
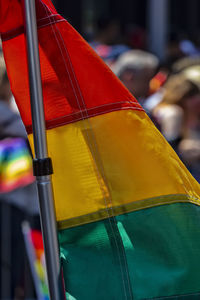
(111,216)
(103,193)
(74,87)
(118,237)
(104,178)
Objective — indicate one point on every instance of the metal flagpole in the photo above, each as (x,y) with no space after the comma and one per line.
(42,164)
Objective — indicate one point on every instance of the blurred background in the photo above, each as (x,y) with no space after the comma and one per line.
(150,24)
(153,46)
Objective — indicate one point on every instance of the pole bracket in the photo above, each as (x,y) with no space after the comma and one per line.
(42,167)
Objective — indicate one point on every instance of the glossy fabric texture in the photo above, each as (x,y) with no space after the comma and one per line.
(139,261)
(114,163)
(65,79)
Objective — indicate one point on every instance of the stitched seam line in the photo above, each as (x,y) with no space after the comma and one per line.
(99,173)
(172,200)
(50,124)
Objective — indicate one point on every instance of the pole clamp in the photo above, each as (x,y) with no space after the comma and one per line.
(42,167)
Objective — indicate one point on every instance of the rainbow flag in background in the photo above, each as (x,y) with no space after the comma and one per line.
(15,164)
(35,252)
(127,209)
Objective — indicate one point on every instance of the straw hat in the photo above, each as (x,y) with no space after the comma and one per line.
(192,74)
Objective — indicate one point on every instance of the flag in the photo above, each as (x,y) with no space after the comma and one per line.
(127,209)
(15,165)
(35,252)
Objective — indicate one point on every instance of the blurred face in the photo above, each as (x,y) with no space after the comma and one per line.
(138,82)
(191,107)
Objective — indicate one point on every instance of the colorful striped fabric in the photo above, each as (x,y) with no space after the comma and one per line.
(127,209)
(39,264)
(15,164)
(35,253)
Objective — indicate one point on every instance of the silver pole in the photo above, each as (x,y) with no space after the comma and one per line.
(44,184)
(158,26)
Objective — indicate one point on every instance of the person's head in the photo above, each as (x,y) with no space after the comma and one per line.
(135,68)
(185,63)
(177,89)
(5,92)
(193,75)
(182,90)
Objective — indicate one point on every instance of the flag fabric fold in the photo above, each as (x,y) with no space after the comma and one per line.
(127,209)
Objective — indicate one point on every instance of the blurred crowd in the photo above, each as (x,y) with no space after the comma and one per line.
(168,90)
(18,197)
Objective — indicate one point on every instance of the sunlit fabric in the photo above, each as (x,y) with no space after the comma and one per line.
(127,209)
(121,162)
